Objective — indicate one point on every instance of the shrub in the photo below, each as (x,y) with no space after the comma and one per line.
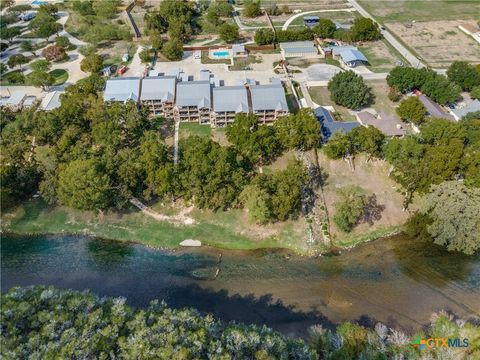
(54,53)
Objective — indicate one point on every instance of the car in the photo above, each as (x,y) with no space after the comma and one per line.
(451,106)
(122,70)
(197,55)
(125,57)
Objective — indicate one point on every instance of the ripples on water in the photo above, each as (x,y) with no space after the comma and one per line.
(395,280)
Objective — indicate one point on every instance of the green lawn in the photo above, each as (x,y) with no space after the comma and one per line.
(221,229)
(194,129)
(60,75)
(340,16)
(422,10)
(321,96)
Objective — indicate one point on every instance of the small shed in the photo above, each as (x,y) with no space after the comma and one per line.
(239,50)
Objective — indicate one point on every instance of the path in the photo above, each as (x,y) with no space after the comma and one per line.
(136,67)
(290,19)
(175,142)
(179,219)
(245,27)
(409,56)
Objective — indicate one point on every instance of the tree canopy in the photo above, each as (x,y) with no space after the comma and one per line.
(464,75)
(325,28)
(412,109)
(454,212)
(251,8)
(349,207)
(229,32)
(348,89)
(364,29)
(299,131)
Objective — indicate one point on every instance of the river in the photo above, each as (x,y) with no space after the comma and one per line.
(398,280)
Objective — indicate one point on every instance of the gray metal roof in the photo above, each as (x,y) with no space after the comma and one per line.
(158,88)
(230,98)
(473,106)
(300,50)
(336,50)
(204,75)
(350,55)
(237,48)
(268,97)
(16,98)
(122,89)
(194,93)
(433,109)
(296,44)
(51,101)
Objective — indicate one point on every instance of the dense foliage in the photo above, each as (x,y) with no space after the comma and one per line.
(438,87)
(453,211)
(349,207)
(43,323)
(464,75)
(412,110)
(348,89)
(251,8)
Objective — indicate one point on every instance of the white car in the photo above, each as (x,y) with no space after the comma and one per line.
(197,55)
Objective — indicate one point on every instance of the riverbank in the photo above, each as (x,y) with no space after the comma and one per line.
(224,230)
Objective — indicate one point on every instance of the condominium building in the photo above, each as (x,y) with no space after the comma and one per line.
(268,101)
(158,95)
(122,89)
(193,101)
(227,102)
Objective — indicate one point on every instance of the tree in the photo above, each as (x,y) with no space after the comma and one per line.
(264,36)
(63,42)
(349,207)
(365,29)
(17,60)
(349,90)
(411,109)
(406,79)
(475,93)
(40,65)
(83,8)
(44,25)
(82,184)
(325,28)
(229,32)
(8,33)
(91,63)
(106,9)
(145,56)
(173,50)
(298,131)
(3,68)
(464,75)
(251,8)
(258,203)
(54,53)
(369,140)
(440,89)
(41,79)
(339,146)
(27,46)
(257,143)
(453,209)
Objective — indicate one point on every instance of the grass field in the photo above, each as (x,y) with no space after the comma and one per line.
(60,75)
(340,16)
(194,129)
(422,10)
(222,229)
(381,56)
(382,102)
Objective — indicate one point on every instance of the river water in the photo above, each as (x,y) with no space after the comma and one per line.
(398,280)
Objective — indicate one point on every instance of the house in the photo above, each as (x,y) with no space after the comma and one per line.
(337,50)
(433,109)
(268,102)
(193,101)
(389,125)
(352,57)
(311,20)
(328,124)
(472,106)
(227,102)
(158,95)
(122,89)
(299,49)
(51,101)
(472,30)
(15,101)
(239,50)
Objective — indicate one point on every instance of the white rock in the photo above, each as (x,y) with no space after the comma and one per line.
(191,242)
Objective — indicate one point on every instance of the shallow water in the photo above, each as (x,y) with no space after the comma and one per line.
(397,280)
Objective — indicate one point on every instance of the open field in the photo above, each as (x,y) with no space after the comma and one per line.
(438,42)
(382,102)
(421,10)
(381,57)
(321,96)
(372,177)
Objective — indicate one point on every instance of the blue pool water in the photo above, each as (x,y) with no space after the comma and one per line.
(39,2)
(221,53)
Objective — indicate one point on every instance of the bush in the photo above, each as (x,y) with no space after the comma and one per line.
(54,53)
(264,36)
(349,207)
(412,110)
(64,42)
(173,50)
(229,32)
(251,8)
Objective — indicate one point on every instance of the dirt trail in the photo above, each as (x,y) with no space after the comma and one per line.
(181,218)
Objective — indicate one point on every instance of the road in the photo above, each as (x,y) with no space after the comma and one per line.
(411,58)
(290,19)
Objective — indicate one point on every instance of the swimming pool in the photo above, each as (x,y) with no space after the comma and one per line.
(221,54)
